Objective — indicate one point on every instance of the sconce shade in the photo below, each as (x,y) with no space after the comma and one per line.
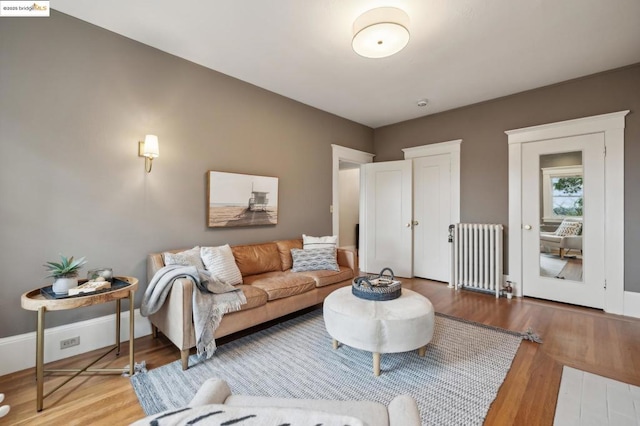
(151,148)
(380,32)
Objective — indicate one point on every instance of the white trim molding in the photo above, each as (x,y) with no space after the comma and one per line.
(94,334)
(612,127)
(341,153)
(452,148)
(632,304)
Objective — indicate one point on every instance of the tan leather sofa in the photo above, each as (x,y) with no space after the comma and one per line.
(271,288)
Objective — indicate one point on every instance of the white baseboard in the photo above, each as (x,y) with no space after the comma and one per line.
(631,304)
(19,352)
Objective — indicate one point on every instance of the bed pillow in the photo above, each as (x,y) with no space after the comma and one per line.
(314,259)
(569,227)
(309,242)
(189,257)
(221,263)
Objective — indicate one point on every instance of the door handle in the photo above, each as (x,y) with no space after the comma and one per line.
(527,227)
(408,225)
(416,223)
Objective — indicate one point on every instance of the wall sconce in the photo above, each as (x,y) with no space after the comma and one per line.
(148,149)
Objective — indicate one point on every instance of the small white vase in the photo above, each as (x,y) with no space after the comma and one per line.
(62,285)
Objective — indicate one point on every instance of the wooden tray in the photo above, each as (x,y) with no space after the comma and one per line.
(50,294)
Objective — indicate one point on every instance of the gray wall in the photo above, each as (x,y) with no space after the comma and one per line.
(484,154)
(74,101)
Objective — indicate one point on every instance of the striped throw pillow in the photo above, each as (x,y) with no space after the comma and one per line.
(569,227)
(221,263)
(314,259)
(309,242)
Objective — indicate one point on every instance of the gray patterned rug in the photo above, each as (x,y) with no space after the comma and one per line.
(454,384)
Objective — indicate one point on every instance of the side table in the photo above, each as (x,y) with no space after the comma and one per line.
(34,301)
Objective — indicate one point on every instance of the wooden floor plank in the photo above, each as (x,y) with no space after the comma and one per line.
(583,338)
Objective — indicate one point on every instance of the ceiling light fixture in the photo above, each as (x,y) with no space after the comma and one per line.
(380,32)
(423,102)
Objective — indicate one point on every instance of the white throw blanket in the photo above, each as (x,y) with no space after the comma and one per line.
(212,299)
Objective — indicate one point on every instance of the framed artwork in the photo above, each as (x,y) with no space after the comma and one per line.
(235,199)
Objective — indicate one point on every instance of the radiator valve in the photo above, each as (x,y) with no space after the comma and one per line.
(509,290)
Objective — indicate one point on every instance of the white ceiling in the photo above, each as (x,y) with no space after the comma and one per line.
(460,52)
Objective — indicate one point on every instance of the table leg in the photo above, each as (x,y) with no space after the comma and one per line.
(335,344)
(118,327)
(422,351)
(40,359)
(131,334)
(376,363)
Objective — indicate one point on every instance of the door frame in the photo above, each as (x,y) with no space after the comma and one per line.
(612,126)
(342,153)
(452,148)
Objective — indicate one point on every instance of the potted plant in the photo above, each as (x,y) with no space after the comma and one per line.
(65,273)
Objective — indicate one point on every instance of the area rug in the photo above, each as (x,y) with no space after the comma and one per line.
(551,266)
(454,384)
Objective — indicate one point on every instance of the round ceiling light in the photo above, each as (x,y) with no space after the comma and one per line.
(380,32)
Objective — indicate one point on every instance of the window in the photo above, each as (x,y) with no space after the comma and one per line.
(562,192)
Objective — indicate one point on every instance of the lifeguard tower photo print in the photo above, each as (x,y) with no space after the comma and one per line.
(241,200)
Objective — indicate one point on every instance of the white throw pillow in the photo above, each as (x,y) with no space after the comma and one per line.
(569,227)
(189,257)
(221,263)
(309,242)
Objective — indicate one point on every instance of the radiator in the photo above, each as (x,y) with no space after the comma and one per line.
(476,256)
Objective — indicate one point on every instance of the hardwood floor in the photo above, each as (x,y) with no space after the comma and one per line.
(583,338)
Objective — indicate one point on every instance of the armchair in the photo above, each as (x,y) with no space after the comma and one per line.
(555,240)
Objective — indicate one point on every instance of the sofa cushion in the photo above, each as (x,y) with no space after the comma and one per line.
(284,248)
(221,263)
(309,242)
(314,259)
(373,413)
(324,277)
(255,297)
(279,284)
(189,257)
(257,258)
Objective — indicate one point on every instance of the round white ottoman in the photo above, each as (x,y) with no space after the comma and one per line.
(390,326)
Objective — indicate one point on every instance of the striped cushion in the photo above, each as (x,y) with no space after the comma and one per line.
(221,263)
(218,414)
(314,259)
(309,242)
(569,227)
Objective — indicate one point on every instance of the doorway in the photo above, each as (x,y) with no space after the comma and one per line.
(349,206)
(346,164)
(610,129)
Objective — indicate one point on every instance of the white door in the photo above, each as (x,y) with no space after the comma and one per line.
(569,275)
(432,216)
(386,217)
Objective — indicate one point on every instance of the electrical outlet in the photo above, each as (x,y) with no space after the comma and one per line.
(67,343)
